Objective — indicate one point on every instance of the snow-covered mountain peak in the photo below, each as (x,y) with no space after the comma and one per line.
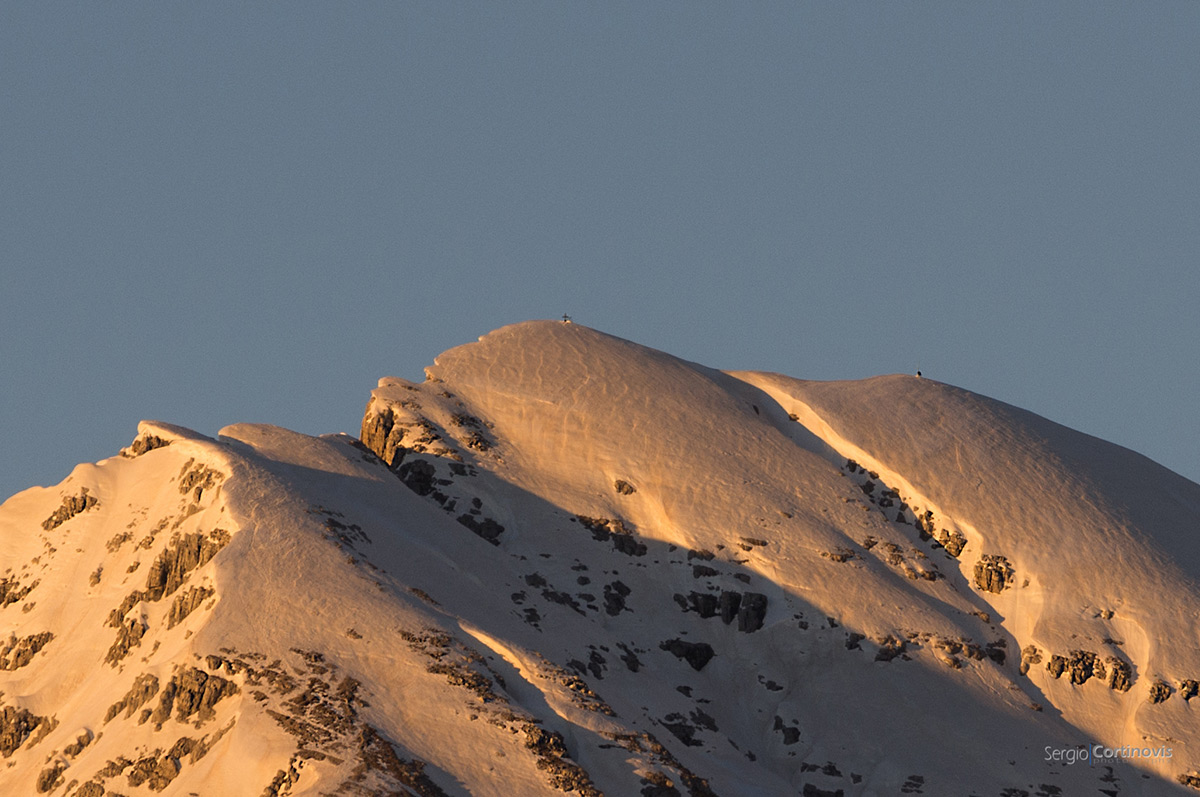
(569,563)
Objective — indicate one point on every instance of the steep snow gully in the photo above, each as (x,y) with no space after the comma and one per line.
(568,563)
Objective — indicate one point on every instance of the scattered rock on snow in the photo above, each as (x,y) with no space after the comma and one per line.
(614,598)
(1030,655)
(616,531)
(696,654)
(791,733)
(486,528)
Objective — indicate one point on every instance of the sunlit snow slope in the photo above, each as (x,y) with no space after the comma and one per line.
(568,563)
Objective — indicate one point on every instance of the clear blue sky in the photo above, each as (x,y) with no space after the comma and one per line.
(249,212)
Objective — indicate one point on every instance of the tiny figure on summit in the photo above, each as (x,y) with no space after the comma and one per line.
(918,373)
(566,318)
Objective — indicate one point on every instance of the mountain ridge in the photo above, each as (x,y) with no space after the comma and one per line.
(568,563)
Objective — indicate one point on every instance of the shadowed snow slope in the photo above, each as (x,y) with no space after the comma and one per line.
(568,563)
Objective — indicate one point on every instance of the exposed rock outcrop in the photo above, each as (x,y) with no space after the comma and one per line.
(11,591)
(185,603)
(156,771)
(129,635)
(952,540)
(192,693)
(1030,655)
(418,475)
(1120,675)
(993,573)
(1191,779)
(486,528)
(185,554)
(172,567)
(1160,691)
(752,612)
(1080,666)
(704,604)
(168,572)
(696,654)
(147,442)
(90,789)
(50,777)
(615,531)
(72,505)
(1083,664)
(144,687)
(660,783)
(614,598)
(76,747)
(195,479)
(729,604)
(19,651)
(749,609)
(16,724)
(383,437)
(551,752)
(375,754)
(391,433)
(791,733)
(891,648)
(473,435)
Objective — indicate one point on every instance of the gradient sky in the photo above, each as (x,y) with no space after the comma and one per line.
(216,213)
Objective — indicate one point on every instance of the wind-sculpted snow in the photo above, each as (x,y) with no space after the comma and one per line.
(568,564)
(1086,550)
